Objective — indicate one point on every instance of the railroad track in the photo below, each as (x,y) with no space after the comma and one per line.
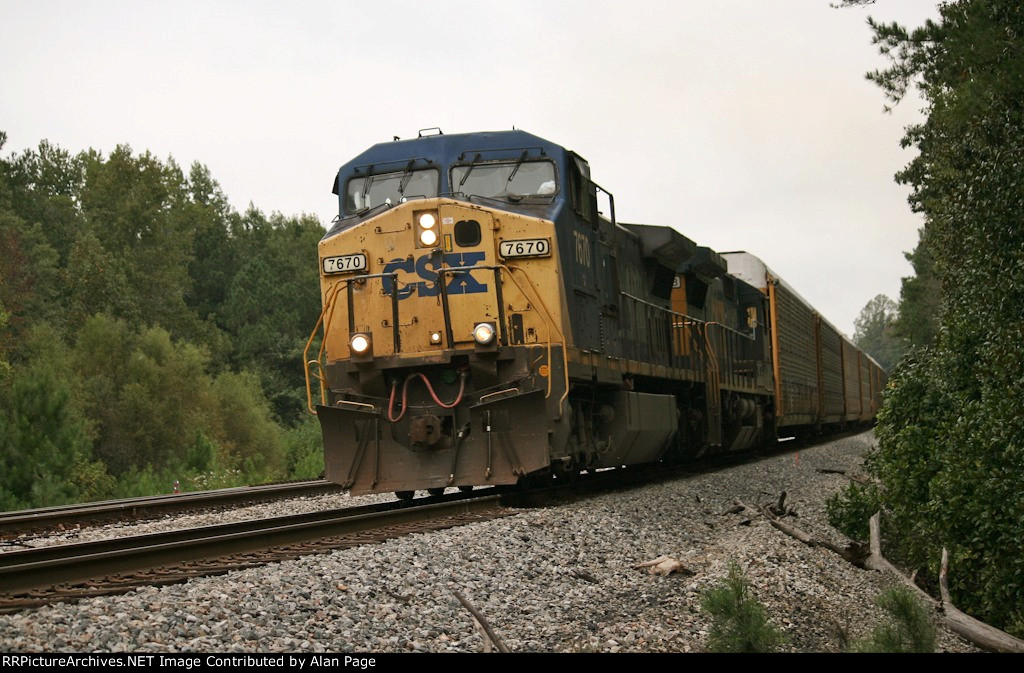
(36,576)
(33,577)
(67,517)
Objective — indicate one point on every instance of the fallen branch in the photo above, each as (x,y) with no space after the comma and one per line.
(975,631)
(789,530)
(853,553)
(876,561)
(742,506)
(478,616)
(779,509)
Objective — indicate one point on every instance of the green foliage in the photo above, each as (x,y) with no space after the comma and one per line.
(158,331)
(45,456)
(156,405)
(849,509)
(5,365)
(146,393)
(875,331)
(272,304)
(908,627)
(951,433)
(146,481)
(243,426)
(30,285)
(305,450)
(97,283)
(738,620)
(917,324)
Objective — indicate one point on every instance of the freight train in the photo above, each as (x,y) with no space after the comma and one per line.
(488,320)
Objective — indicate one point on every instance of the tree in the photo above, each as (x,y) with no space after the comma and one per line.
(45,452)
(145,322)
(875,331)
(917,322)
(738,622)
(273,303)
(951,432)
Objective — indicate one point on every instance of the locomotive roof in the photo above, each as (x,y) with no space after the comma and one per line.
(448,149)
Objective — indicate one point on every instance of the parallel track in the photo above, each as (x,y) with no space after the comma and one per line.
(33,577)
(73,516)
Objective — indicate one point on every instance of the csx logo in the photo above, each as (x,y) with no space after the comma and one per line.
(426,268)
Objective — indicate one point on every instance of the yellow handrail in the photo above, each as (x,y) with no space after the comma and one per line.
(329,300)
(551,324)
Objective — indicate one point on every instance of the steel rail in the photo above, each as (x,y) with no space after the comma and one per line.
(114,510)
(35,569)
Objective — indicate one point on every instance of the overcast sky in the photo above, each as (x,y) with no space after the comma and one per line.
(744,124)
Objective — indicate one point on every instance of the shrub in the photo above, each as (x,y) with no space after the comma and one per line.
(849,509)
(738,620)
(908,627)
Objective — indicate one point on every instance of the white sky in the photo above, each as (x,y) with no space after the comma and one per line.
(744,124)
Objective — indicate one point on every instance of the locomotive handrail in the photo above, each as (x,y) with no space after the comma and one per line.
(551,324)
(356,404)
(709,347)
(548,320)
(328,304)
(498,392)
(685,316)
(321,376)
(749,337)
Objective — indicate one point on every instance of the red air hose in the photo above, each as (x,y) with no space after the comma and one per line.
(430,389)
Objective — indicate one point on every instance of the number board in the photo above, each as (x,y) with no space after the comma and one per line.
(527,247)
(344,263)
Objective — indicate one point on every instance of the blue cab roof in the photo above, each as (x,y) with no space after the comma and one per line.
(446,150)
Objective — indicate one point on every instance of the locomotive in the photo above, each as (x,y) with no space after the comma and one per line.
(485,323)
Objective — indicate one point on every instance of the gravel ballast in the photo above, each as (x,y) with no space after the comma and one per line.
(561,579)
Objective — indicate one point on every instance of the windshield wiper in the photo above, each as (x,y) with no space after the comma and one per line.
(367,181)
(519,163)
(405,177)
(470,170)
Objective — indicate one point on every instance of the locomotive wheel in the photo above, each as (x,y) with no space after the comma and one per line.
(405,496)
(436,491)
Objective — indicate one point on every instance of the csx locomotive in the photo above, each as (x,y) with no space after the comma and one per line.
(485,323)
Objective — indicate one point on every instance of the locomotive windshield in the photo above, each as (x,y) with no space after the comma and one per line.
(510,180)
(363,192)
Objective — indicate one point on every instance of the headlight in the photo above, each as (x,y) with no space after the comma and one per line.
(435,338)
(483,333)
(360,344)
(427,234)
(428,237)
